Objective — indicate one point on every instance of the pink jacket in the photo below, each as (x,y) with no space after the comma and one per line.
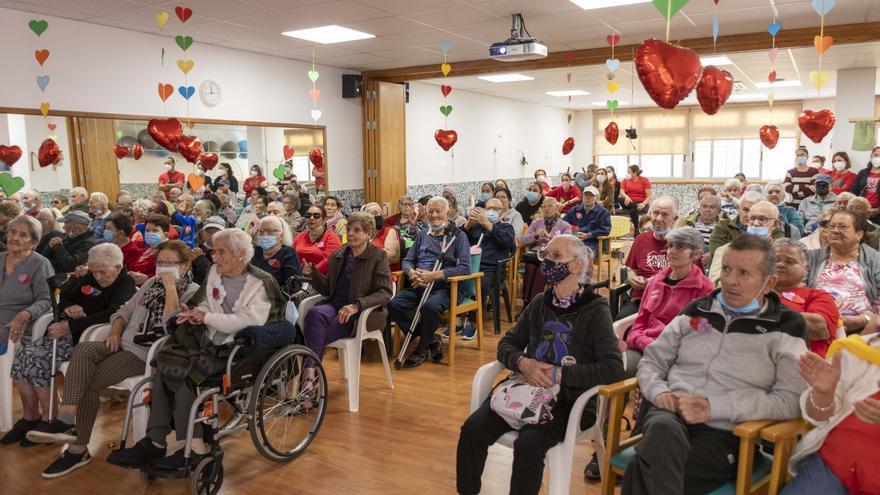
(662,302)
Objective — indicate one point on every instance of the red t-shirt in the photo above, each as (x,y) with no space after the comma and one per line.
(850,451)
(842,181)
(807,300)
(562,195)
(871,189)
(131,252)
(379,242)
(316,253)
(145,263)
(647,257)
(172,177)
(636,189)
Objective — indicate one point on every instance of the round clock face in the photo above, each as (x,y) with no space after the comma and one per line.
(210,93)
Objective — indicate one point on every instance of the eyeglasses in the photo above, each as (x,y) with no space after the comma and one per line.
(545,254)
(268,232)
(837,227)
(753,218)
(823,223)
(168,262)
(314,215)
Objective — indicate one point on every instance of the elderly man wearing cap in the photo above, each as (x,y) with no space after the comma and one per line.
(273,193)
(73,250)
(589,220)
(203,254)
(812,207)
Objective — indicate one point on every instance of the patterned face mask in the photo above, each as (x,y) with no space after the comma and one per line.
(554,272)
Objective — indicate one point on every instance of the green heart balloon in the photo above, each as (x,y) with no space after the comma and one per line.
(278,172)
(38,27)
(10,184)
(446,110)
(183,42)
(669,8)
(612,104)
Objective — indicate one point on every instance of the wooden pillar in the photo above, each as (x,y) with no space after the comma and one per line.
(384,136)
(93,163)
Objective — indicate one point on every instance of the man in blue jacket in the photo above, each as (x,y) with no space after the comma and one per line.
(418,265)
(589,220)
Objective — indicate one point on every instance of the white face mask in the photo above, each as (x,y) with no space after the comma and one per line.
(600,178)
(875,161)
(168,167)
(253,173)
(168,269)
(840,166)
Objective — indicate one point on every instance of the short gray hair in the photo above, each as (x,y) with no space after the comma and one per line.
(774,183)
(107,253)
(580,251)
(788,242)
(732,182)
(239,242)
(666,199)
(100,197)
(35,230)
(142,206)
(439,199)
(687,236)
(751,197)
(286,235)
(79,190)
(711,197)
(206,203)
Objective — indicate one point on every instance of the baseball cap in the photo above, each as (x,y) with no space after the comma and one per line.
(592,190)
(822,178)
(214,223)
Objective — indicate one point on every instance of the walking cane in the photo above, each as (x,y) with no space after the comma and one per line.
(55,294)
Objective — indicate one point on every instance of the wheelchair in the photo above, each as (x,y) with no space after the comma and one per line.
(262,390)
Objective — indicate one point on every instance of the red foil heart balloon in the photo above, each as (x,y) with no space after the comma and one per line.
(714,89)
(208,160)
(166,133)
(316,156)
(612,132)
(816,125)
(190,147)
(9,154)
(49,153)
(567,145)
(137,151)
(668,73)
(121,151)
(446,138)
(769,136)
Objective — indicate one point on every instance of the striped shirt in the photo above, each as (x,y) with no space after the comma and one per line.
(706,230)
(798,184)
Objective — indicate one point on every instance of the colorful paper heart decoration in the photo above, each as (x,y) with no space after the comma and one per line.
(195,181)
(446,110)
(611,104)
(162,18)
(613,86)
(9,154)
(208,160)
(823,7)
(444,46)
(612,132)
(278,172)
(288,152)
(49,153)
(165,91)
(445,69)
(190,147)
(567,145)
(569,57)
(166,132)
(314,75)
(569,118)
(715,28)
(316,157)
(10,184)
(44,109)
(669,8)
(446,138)
(314,94)
(445,90)
(772,54)
(186,91)
(185,66)
(121,151)
(667,72)
(774,28)
(183,42)
(772,76)
(822,44)
(714,89)
(769,135)
(612,40)
(51,127)
(137,151)
(38,27)
(770,97)
(613,64)
(41,56)
(819,78)
(183,13)
(816,125)
(568,78)
(316,114)
(42,82)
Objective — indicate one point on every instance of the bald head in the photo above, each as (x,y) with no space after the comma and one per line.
(764,214)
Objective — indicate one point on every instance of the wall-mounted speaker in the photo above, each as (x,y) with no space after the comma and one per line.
(352,85)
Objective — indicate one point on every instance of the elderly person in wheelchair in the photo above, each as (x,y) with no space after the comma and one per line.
(562,344)
(235,296)
(97,365)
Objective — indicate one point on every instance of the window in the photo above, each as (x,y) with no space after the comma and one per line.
(653,166)
(724,158)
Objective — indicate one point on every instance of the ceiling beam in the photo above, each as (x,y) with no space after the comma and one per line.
(793,38)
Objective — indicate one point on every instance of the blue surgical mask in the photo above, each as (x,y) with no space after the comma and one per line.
(802,160)
(661,232)
(750,307)
(267,241)
(153,239)
(492,216)
(108,236)
(485,196)
(437,228)
(762,232)
(531,196)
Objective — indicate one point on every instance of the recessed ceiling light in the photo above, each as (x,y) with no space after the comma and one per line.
(601,4)
(605,103)
(499,78)
(788,83)
(328,34)
(569,92)
(716,60)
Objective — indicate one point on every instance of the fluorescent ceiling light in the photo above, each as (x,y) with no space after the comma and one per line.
(788,83)
(748,96)
(620,103)
(569,92)
(601,4)
(716,60)
(500,78)
(328,34)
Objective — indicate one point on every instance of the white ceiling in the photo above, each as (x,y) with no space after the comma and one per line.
(408,31)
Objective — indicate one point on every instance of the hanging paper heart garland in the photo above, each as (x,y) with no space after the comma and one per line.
(165,91)
(183,13)
(41,55)
(162,18)
(314,94)
(446,139)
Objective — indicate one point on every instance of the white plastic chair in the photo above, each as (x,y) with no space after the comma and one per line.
(37,330)
(559,457)
(620,327)
(350,350)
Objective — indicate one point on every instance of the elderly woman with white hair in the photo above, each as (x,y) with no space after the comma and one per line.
(564,338)
(48,218)
(273,253)
(84,301)
(385,236)
(236,296)
(99,210)
(540,232)
(729,195)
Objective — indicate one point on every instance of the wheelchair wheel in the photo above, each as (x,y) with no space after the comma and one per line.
(288,403)
(206,480)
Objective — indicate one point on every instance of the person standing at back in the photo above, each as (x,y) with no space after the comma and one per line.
(170,179)
(798,181)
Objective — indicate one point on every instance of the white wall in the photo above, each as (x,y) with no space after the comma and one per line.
(107,70)
(492,134)
(855,99)
(28,132)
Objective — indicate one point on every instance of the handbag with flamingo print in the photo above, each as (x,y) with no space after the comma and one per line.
(520,404)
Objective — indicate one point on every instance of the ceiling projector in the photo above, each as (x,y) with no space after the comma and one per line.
(520,46)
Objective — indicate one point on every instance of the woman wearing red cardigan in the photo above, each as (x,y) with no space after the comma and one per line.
(316,243)
(254,181)
(568,194)
(842,178)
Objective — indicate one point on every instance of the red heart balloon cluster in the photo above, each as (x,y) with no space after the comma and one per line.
(769,135)
(9,154)
(816,125)
(667,72)
(612,132)
(49,153)
(166,132)
(714,89)
(316,156)
(190,147)
(567,145)
(208,160)
(446,138)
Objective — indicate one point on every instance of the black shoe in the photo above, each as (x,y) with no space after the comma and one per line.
(176,461)
(415,359)
(66,463)
(137,456)
(25,443)
(56,431)
(436,348)
(591,472)
(19,430)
